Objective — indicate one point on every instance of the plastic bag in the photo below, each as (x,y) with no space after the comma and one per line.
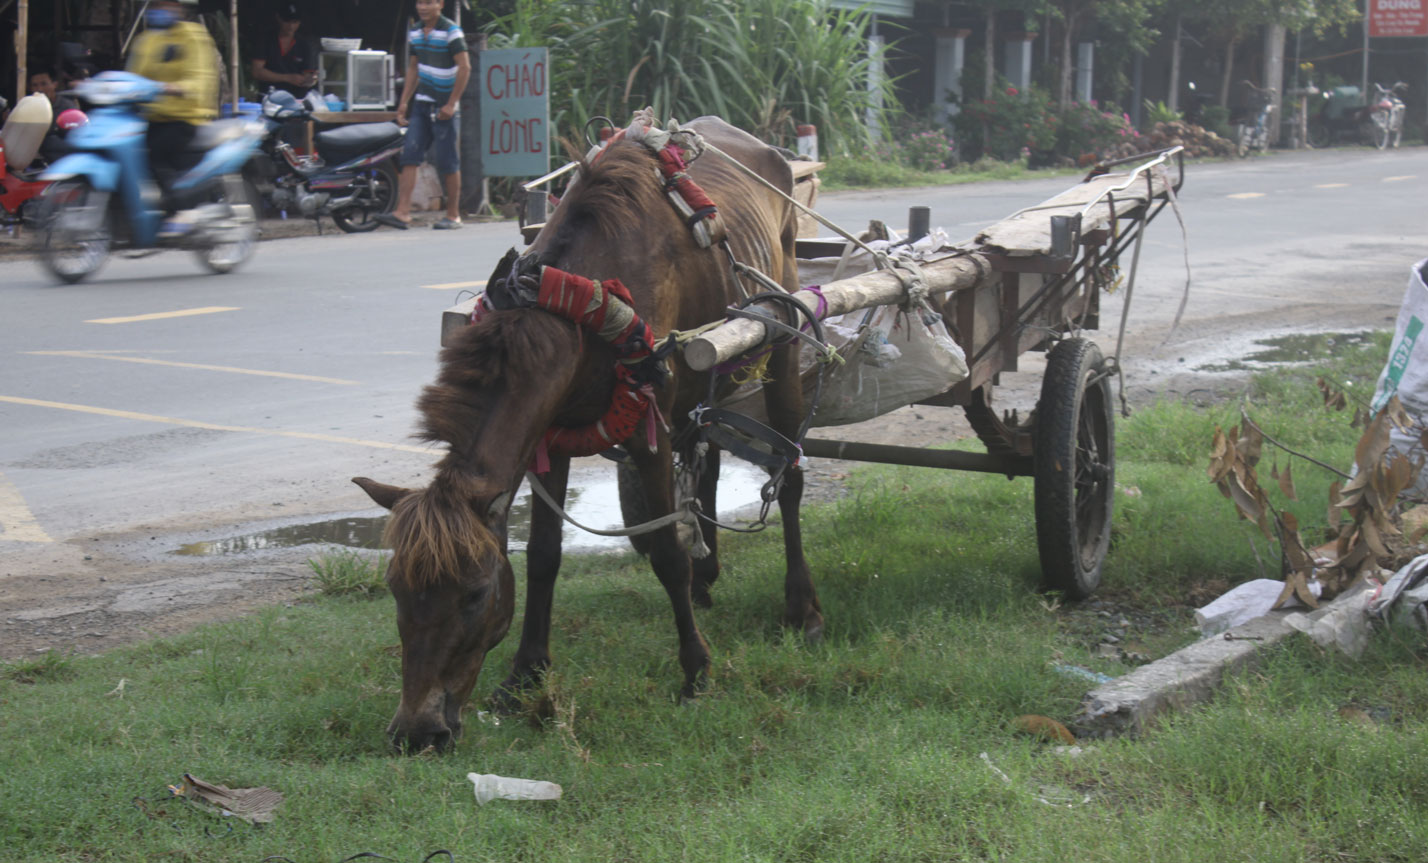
(891,360)
(1406,372)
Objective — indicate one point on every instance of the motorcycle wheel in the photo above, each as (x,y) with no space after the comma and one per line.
(379,196)
(71,253)
(225,257)
(1380,131)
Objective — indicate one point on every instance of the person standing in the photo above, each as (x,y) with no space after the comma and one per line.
(437,71)
(178,53)
(286,62)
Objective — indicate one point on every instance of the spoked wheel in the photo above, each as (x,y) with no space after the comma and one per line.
(76,230)
(1074,468)
(239,227)
(633,508)
(378,196)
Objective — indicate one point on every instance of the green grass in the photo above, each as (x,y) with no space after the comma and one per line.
(863,172)
(349,573)
(864,748)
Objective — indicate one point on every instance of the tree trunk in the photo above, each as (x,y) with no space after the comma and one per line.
(1172,101)
(991,52)
(1274,75)
(1229,74)
(1067,69)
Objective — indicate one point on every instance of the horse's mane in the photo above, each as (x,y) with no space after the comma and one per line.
(433,530)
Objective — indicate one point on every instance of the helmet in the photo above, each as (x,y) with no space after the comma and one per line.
(71,118)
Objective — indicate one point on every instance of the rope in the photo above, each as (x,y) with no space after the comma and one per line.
(683,513)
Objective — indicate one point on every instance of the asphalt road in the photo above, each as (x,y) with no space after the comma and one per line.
(159,403)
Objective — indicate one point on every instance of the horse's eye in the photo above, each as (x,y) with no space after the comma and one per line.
(474,597)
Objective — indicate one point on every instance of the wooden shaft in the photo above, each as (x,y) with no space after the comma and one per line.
(879,288)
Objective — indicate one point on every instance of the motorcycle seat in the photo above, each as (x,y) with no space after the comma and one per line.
(212,134)
(348,142)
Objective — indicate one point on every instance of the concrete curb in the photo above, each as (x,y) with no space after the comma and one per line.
(1191,675)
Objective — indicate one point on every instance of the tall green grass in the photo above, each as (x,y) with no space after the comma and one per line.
(866,747)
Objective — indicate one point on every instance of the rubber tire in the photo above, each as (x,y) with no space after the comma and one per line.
(234,184)
(386,195)
(1075,427)
(47,214)
(1381,134)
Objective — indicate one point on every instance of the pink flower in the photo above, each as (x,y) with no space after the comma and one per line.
(1011,91)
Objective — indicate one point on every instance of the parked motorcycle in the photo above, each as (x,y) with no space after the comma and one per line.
(1386,115)
(351,176)
(20,141)
(103,196)
(1255,135)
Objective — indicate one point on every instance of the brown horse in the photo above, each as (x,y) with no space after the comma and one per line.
(515,373)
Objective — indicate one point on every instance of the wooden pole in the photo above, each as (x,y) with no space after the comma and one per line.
(233,52)
(22,48)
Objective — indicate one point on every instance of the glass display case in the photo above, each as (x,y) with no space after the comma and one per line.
(363,80)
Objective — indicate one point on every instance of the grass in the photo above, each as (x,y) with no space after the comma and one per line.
(859,173)
(867,747)
(349,573)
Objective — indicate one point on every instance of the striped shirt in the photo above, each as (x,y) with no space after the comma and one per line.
(435,53)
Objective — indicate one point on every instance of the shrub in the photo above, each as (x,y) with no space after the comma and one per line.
(928,150)
(1087,129)
(1216,118)
(1012,119)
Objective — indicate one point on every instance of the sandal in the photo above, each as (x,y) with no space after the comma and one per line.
(447,225)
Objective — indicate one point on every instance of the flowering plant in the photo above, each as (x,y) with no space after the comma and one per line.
(1013,119)
(929,150)
(1086,128)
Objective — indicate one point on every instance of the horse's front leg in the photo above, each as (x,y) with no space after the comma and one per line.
(670,561)
(706,569)
(543,554)
(783,398)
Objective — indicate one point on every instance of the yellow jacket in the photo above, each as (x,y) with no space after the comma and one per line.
(183,55)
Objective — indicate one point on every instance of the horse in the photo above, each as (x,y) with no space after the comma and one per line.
(518,372)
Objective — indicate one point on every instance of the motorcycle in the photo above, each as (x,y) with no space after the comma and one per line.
(1386,116)
(102,195)
(20,141)
(349,177)
(1255,136)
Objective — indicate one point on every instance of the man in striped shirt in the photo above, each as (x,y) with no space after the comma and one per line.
(437,71)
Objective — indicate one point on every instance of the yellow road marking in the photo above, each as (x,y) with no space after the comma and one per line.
(105,355)
(1246,195)
(1331,186)
(1403,177)
(154,418)
(181,313)
(17,523)
(451,286)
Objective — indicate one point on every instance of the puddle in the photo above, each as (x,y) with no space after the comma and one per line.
(1294,348)
(593,500)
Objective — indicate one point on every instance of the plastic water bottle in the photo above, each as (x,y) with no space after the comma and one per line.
(490,787)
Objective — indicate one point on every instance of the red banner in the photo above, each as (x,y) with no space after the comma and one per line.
(1398,18)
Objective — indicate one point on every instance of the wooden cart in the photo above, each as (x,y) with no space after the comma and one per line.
(1031,282)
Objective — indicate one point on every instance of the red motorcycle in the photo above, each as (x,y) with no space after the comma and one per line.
(20,140)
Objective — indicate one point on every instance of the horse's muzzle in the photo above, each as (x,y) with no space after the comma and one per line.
(437,729)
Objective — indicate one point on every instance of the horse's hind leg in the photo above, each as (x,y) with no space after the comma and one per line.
(543,555)
(670,562)
(783,398)
(706,569)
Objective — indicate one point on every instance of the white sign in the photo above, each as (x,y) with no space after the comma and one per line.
(515,112)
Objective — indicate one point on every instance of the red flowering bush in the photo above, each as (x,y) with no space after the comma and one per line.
(1013,119)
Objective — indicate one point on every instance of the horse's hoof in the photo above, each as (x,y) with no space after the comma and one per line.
(813,634)
(506,701)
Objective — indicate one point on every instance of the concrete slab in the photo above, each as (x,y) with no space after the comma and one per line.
(1192,674)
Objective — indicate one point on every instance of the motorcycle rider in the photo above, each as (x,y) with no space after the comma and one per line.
(177,52)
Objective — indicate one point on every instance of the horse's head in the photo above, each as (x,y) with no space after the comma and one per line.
(455,597)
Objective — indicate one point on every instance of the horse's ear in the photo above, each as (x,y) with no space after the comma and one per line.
(385,496)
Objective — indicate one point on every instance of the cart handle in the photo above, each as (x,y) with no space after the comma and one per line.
(1132,177)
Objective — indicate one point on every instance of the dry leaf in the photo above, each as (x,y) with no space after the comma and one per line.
(1286,483)
(1336,512)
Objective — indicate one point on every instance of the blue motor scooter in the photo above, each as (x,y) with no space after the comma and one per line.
(103,195)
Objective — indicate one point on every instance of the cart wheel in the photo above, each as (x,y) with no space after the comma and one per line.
(1074,462)
(633,508)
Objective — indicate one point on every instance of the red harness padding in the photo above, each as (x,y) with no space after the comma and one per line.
(672,166)
(606,309)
